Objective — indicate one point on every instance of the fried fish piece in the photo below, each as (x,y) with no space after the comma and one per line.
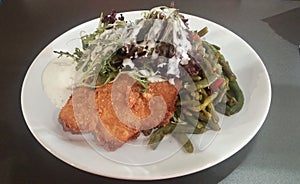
(116,112)
(144,108)
(111,132)
(79,114)
(90,111)
(168,92)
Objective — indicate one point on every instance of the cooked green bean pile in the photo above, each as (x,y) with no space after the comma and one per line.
(200,101)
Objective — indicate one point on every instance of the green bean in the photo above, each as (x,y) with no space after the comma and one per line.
(202,32)
(214,119)
(222,91)
(147,132)
(202,83)
(187,102)
(177,111)
(208,100)
(206,81)
(158,135)
(211,57)
(221,108)
(155,138)
(196,95)
(168,128)
(187,129)
(238,94)
(231,100)
(185,141)
(225,65)
(214,115)
(196,78)
(203,91)
(203,116)
(213,125)
(226,68)
(216,47)
(194,122)
(206,114)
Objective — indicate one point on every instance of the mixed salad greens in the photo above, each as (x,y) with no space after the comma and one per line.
(161,47)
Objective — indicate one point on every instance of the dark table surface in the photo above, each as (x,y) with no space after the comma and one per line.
(271,27)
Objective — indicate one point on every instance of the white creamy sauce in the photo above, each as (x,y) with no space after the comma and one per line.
(173,68)
(155,78)
(151,76)
(106,43)
(155,30)
(134,30)
(172,81)
(58,80)
(167,31)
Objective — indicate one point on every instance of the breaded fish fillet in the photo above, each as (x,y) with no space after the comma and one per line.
(80,114)
(143,109)
(87,112)
(116,112)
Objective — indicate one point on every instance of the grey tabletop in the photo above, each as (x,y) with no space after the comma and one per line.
(271,27)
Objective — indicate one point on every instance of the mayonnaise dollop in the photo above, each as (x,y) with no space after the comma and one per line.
(58,80)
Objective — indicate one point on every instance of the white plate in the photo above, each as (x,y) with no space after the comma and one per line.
(41,115)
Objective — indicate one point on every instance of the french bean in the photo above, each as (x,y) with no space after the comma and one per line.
(187,102)
(194,122)
(196,95)
(222,91)
(185,141)
(234,87)
(155,138)
(216,47)
(226,68)
(202,32)
(196,78)
(213,125)
(206,114)
(208,100)
(188,129)
(231,100)
(195,99)
(158,135)
(147,132)
(214,115)
(225,65)
(202,83)
(203,116)
(203,92)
